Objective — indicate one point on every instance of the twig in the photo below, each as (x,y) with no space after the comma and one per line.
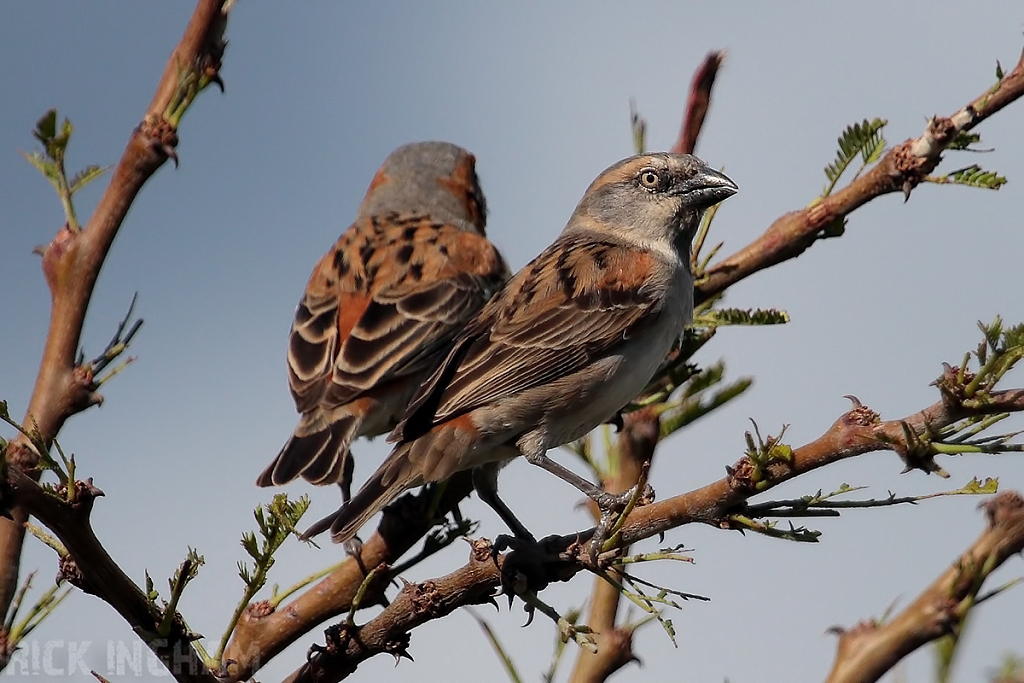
(698,102)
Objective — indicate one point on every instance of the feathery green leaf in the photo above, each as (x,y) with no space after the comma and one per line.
(864,139)
(975,176)
(86,176)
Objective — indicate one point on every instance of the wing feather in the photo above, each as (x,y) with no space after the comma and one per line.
(372,318)
(572,305)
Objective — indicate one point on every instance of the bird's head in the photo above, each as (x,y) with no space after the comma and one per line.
(437,179)
(654,199)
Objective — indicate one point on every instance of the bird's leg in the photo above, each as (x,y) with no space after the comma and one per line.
(610,504)
(353,546)
(346,478)
(485,481)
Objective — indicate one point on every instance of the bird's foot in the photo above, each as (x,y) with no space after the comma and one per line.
(612,505)
(530,566)
(520,540)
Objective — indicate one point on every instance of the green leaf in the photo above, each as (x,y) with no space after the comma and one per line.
(964,140)
(872,151)
(975,176)
(737,316)
(46,127)
(86,176)
(976,487)
(864,139)
(44,165)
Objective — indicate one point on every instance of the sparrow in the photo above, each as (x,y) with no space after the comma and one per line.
(383,306)
(562,347)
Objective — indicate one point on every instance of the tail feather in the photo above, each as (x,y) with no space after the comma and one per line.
(392,478)
(318,452)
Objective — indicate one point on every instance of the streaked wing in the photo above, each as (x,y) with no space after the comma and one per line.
(424,280)
(575,303)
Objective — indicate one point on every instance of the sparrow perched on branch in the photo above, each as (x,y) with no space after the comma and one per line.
(562,347)
(383,306)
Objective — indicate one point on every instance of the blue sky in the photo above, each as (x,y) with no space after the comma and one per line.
(272,171)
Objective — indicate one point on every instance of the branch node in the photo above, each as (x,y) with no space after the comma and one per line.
(859,415)
(67,570)
(159,135)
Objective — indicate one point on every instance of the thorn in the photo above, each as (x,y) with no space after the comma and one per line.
(530,611)
(92,490)
(173,156)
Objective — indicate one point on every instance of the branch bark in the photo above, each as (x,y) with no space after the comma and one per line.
(867,651)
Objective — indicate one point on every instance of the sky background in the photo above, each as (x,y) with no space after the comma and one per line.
(273,171)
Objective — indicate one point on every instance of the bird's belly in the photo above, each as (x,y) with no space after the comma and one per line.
(604,388)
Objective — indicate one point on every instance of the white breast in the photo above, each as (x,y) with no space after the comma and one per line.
(593,395)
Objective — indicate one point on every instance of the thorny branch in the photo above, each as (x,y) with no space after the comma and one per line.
(868,650)
(901,169)
(263,631)
(559,558)
(87,566)
(71,264)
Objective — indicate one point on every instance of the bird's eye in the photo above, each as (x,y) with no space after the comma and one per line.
(649,179)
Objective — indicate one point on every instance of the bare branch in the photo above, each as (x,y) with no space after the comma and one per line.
(559,558)
(867,651)
(901,169)
(72,262)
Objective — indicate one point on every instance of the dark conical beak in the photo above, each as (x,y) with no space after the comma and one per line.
(707,187)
